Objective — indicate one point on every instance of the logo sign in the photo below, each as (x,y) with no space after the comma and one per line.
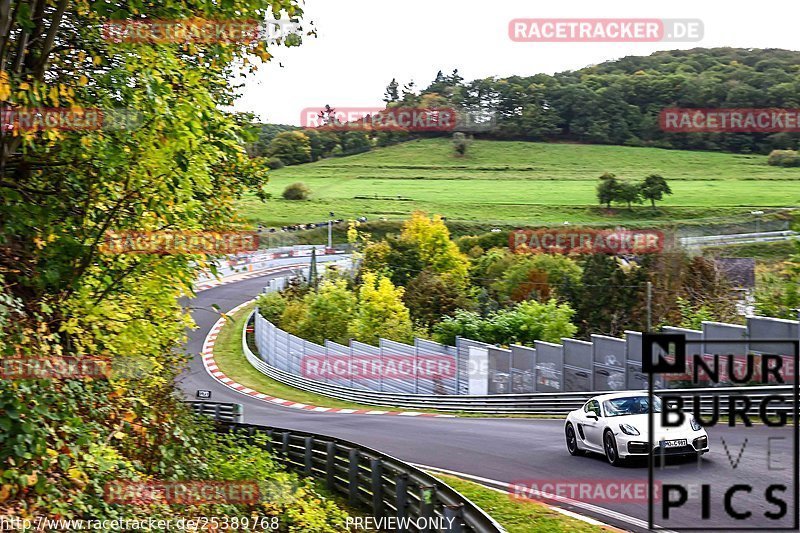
(369,367)
(730,120)
(19,119)
(740,407)
(181,492)
(609,490)
(554,30)
(204,394)
(586,241)
(180,242)
(411,119)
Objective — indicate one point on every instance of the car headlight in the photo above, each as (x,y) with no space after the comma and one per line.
(628,429)
(695,424)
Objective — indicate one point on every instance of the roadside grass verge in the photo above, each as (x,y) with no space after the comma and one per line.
(518,515)
(230,359)
(764,252)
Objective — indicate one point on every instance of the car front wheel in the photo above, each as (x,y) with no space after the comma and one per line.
(572,441)
(610,445)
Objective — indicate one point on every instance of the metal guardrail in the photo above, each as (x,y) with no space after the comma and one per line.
(221,412)
(541,403)
(738,238)
(387,486)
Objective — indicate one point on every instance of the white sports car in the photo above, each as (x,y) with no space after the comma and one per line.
(616,425)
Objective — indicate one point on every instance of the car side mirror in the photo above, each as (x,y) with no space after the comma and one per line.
(592,414)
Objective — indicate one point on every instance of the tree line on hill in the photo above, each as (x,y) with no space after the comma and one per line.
(284,144)
(619,102)
(616,102)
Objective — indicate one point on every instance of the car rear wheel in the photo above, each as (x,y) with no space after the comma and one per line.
(610,445)
(572,441)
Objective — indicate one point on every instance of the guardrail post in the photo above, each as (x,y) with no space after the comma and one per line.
(285,445)
(352,475)
(269,440)
(309,452)
(401,499)
(453,515)
(376,469)
(427,496)
(330,466)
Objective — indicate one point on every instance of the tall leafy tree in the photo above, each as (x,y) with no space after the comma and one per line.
(328,313)
(610,296)
(536,276)
(291,147)
(653,188)
(172,159)
(608,189)
(380,312)
(429,298)
(391,95)
(437,252)
(629,193)
(354,142)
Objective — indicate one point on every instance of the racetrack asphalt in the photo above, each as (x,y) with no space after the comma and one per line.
(532,451)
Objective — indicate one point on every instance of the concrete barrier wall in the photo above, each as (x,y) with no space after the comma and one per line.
(602,364)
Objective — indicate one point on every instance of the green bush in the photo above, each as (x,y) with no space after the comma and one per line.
(784,158)
(291,501)
(296,191)
(275,163)
(523,324)
(271,306)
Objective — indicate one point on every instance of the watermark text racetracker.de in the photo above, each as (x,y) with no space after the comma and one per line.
(26,119)
(729,120)
(357,367)
(411,119)
(554,30)
(198,31)
(71,367)
(585,490)
(399,119)
(585,240)
(181,492)
(196,523)
(180,242)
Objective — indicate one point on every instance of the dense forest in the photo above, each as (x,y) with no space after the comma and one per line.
(617,102)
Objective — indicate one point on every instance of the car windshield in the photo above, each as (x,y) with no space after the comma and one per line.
(630,405)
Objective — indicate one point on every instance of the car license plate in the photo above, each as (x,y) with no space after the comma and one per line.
(674,443)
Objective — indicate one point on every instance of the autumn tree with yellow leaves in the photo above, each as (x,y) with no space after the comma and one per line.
(139,141)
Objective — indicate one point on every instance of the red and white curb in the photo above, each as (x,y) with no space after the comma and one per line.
(214,371)
(235,278)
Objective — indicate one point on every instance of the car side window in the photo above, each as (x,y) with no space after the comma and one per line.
(592,406)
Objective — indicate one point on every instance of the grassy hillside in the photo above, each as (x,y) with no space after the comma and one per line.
(520,182)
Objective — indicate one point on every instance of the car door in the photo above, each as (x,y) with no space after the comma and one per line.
(588,426)
(593,427)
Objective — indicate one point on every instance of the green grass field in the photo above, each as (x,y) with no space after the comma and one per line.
(519,182)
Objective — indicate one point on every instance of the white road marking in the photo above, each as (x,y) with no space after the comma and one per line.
(567,501)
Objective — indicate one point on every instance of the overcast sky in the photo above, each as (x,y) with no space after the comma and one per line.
(363,44)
